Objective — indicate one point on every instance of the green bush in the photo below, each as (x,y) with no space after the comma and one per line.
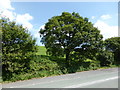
(92,64)
(106,58)
(45,66)
(113,45)
(18,48)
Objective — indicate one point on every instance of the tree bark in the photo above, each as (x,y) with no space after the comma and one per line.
(67,58)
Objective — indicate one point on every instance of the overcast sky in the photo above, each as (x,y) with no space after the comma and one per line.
(34,15)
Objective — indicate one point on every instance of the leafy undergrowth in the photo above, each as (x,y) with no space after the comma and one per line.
(44,66)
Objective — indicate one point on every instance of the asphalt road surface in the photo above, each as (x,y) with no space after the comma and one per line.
(102,78)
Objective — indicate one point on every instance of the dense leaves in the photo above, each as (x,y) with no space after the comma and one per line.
(113,45)
(63,34)
(17,48)
(106,58)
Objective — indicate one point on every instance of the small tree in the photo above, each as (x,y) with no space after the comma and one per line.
(17,48)
(113,45)
(62,34)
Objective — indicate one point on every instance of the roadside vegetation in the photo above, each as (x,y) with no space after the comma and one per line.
(71,42)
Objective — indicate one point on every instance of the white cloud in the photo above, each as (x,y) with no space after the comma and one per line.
(24,20)
(106,30)
(9,14)
(93,17)
(104,17)
(8,11)
(37,35)
(42,27)
(5,4)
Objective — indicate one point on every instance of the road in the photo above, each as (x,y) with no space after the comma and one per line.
(102,78)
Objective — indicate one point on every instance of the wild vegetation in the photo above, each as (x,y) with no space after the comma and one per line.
(18,48)
(71,42)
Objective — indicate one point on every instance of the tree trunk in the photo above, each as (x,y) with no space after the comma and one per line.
(67,58)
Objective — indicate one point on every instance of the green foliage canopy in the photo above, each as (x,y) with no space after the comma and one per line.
(113,45)
(106,58)
(62,34)
(17,48)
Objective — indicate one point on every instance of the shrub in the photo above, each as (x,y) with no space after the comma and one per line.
(92,64)
(106,58)
(18,48)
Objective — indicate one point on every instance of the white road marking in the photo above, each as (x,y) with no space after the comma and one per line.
(90,83)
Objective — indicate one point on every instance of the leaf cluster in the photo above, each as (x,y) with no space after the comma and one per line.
(17,48)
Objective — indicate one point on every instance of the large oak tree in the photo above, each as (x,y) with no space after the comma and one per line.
(63,34)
